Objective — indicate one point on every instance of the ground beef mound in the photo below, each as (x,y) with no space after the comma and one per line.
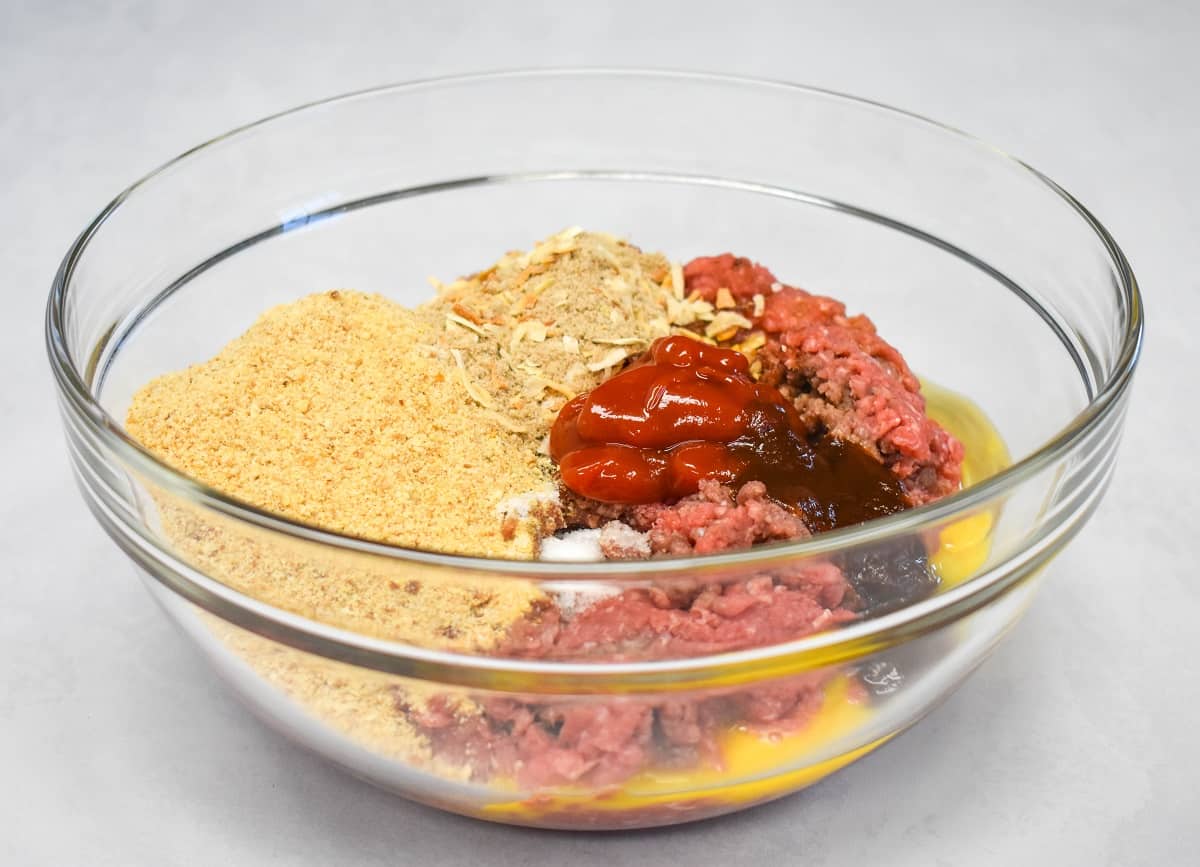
(552,743)
(542,743)
(743,278)
(712,520)
(685,619)
(844,378)
(715,519)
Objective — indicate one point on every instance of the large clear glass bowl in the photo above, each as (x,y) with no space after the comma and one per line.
(996,284)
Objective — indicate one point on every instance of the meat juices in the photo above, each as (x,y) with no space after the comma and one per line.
(687,448)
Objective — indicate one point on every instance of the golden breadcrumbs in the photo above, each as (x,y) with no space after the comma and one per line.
(376,596)
(327,412)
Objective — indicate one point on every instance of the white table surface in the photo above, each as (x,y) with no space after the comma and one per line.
(1072,745)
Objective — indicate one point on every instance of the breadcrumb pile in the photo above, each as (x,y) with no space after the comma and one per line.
(327,413)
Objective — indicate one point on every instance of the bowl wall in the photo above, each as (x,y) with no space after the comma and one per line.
(993,283)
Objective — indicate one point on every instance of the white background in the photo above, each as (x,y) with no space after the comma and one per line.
(1075,744)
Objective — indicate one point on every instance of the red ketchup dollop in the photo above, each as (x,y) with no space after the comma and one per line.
(687,411)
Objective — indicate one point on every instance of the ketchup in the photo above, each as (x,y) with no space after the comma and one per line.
(687,411)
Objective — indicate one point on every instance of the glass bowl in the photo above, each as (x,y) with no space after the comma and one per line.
(996,284)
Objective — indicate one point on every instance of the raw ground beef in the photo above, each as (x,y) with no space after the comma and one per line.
(542,742)
(545,743)
(843,376)
(714,519)
(685,619)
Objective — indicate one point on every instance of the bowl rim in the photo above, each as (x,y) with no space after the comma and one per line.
(78,399)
